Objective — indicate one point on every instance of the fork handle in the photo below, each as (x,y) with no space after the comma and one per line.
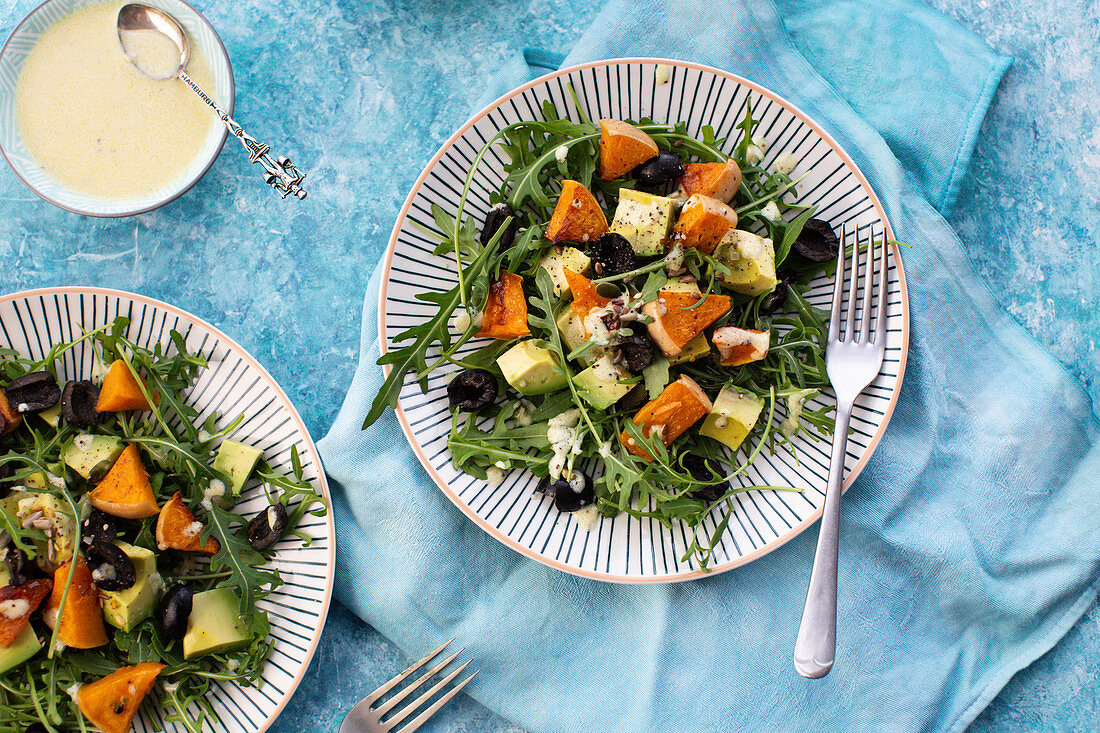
(815,649)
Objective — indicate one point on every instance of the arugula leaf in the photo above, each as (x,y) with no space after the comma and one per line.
(247,576)
(433,331)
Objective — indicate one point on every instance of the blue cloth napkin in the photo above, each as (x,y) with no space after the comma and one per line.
(969,545)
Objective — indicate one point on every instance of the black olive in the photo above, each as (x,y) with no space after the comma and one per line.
(19,565)
(612,255)
(775,300)
(636,352)
(173,611)
(36,728)
(573,493)
(658,170)
(99,527)
(7,470)
(472,390)
(704,469)
(817,241)
(494,219)
(548,487)
(33,392)
(267,527)
(111,568)
(78,403)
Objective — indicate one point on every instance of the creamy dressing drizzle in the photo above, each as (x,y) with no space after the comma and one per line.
(96,124)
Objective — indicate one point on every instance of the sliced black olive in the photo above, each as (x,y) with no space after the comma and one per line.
(267,527)
(78,403)
(636,352)
(705,469)
(612,255)
(494,219)
(659,170)
(19,565)
(99,527)
(111,568)
(817,241)
(574,493)
(174,610)
(33,392)
(472,390)
(775,300)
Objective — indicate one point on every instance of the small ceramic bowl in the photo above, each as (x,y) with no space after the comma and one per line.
(204,40)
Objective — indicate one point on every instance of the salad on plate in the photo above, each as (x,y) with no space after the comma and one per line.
(643,297)
(125,565)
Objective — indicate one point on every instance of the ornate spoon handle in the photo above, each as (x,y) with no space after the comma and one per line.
(280,174)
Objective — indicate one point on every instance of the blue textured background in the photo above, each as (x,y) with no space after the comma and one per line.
(327,81)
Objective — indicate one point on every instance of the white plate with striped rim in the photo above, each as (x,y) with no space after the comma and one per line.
(624,549)
(234,383)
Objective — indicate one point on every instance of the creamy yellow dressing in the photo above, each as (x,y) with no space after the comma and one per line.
(96,124)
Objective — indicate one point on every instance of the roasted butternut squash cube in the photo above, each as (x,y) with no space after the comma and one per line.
(577,216)
(737,346)
(120,391)
(702,224)
(505,315)
(112,702)
(585,297)
(680,317)
(717,180)
(12,419)
(682,404)
(178,530)
(125,491)
(623,147)
(80,623)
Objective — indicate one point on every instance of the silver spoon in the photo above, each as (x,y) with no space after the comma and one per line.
(280,174)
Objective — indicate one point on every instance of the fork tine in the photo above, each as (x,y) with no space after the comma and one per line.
(880,316)
(419,720)
(838,287)
(412,706)
(374,696)
(409,689)
(867,286)
(849,321)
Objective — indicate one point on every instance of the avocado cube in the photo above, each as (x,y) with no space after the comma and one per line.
(25,646)
(555,262)
(697,348)
(571,328)
(5,575)
(23,504)
(732,416)
(125,609)
(215,625)
(644,220)
(92,456)
(599,384)
(36,480)
(51,416)
(675,286)
(751,260)
(236,460)
(531,369)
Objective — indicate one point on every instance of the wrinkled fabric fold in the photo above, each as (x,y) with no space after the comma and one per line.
(969,544)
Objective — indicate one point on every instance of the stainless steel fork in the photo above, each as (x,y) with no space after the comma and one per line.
(852,360)
(365,718)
